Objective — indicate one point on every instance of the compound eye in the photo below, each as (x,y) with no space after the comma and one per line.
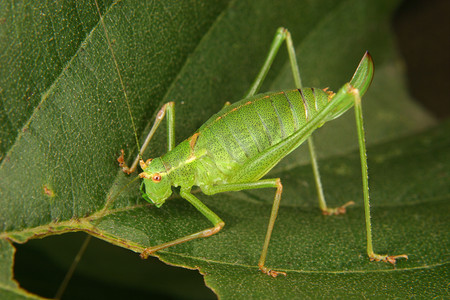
(156,178)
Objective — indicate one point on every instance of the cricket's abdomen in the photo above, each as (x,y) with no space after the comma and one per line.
(245,129)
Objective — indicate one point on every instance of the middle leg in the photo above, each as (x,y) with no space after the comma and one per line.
(283,35)
(265,183)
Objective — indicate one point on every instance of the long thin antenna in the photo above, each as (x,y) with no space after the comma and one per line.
(118,74)
(73,266)
(83,247)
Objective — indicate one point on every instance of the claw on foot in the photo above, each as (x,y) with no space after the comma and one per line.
(385,258)
(271,272)
(145,254)
(338,210)
(122,162)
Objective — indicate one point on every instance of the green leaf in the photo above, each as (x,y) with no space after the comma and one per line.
(65,118)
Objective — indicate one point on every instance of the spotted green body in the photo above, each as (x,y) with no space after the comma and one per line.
(245,140)
(237,146)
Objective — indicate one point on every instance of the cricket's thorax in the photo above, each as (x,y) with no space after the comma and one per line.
(187,167)
(242,132)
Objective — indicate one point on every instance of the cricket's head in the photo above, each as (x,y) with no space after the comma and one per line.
(156,181)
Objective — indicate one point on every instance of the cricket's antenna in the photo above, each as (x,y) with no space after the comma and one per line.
(73,266)
(122,85)
(110,199)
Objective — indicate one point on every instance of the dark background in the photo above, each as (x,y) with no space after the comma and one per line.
(422,28)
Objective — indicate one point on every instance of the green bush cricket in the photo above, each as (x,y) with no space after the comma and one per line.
(236,147)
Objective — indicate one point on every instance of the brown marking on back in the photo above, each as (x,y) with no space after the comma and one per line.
(330,95)
(193,140)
